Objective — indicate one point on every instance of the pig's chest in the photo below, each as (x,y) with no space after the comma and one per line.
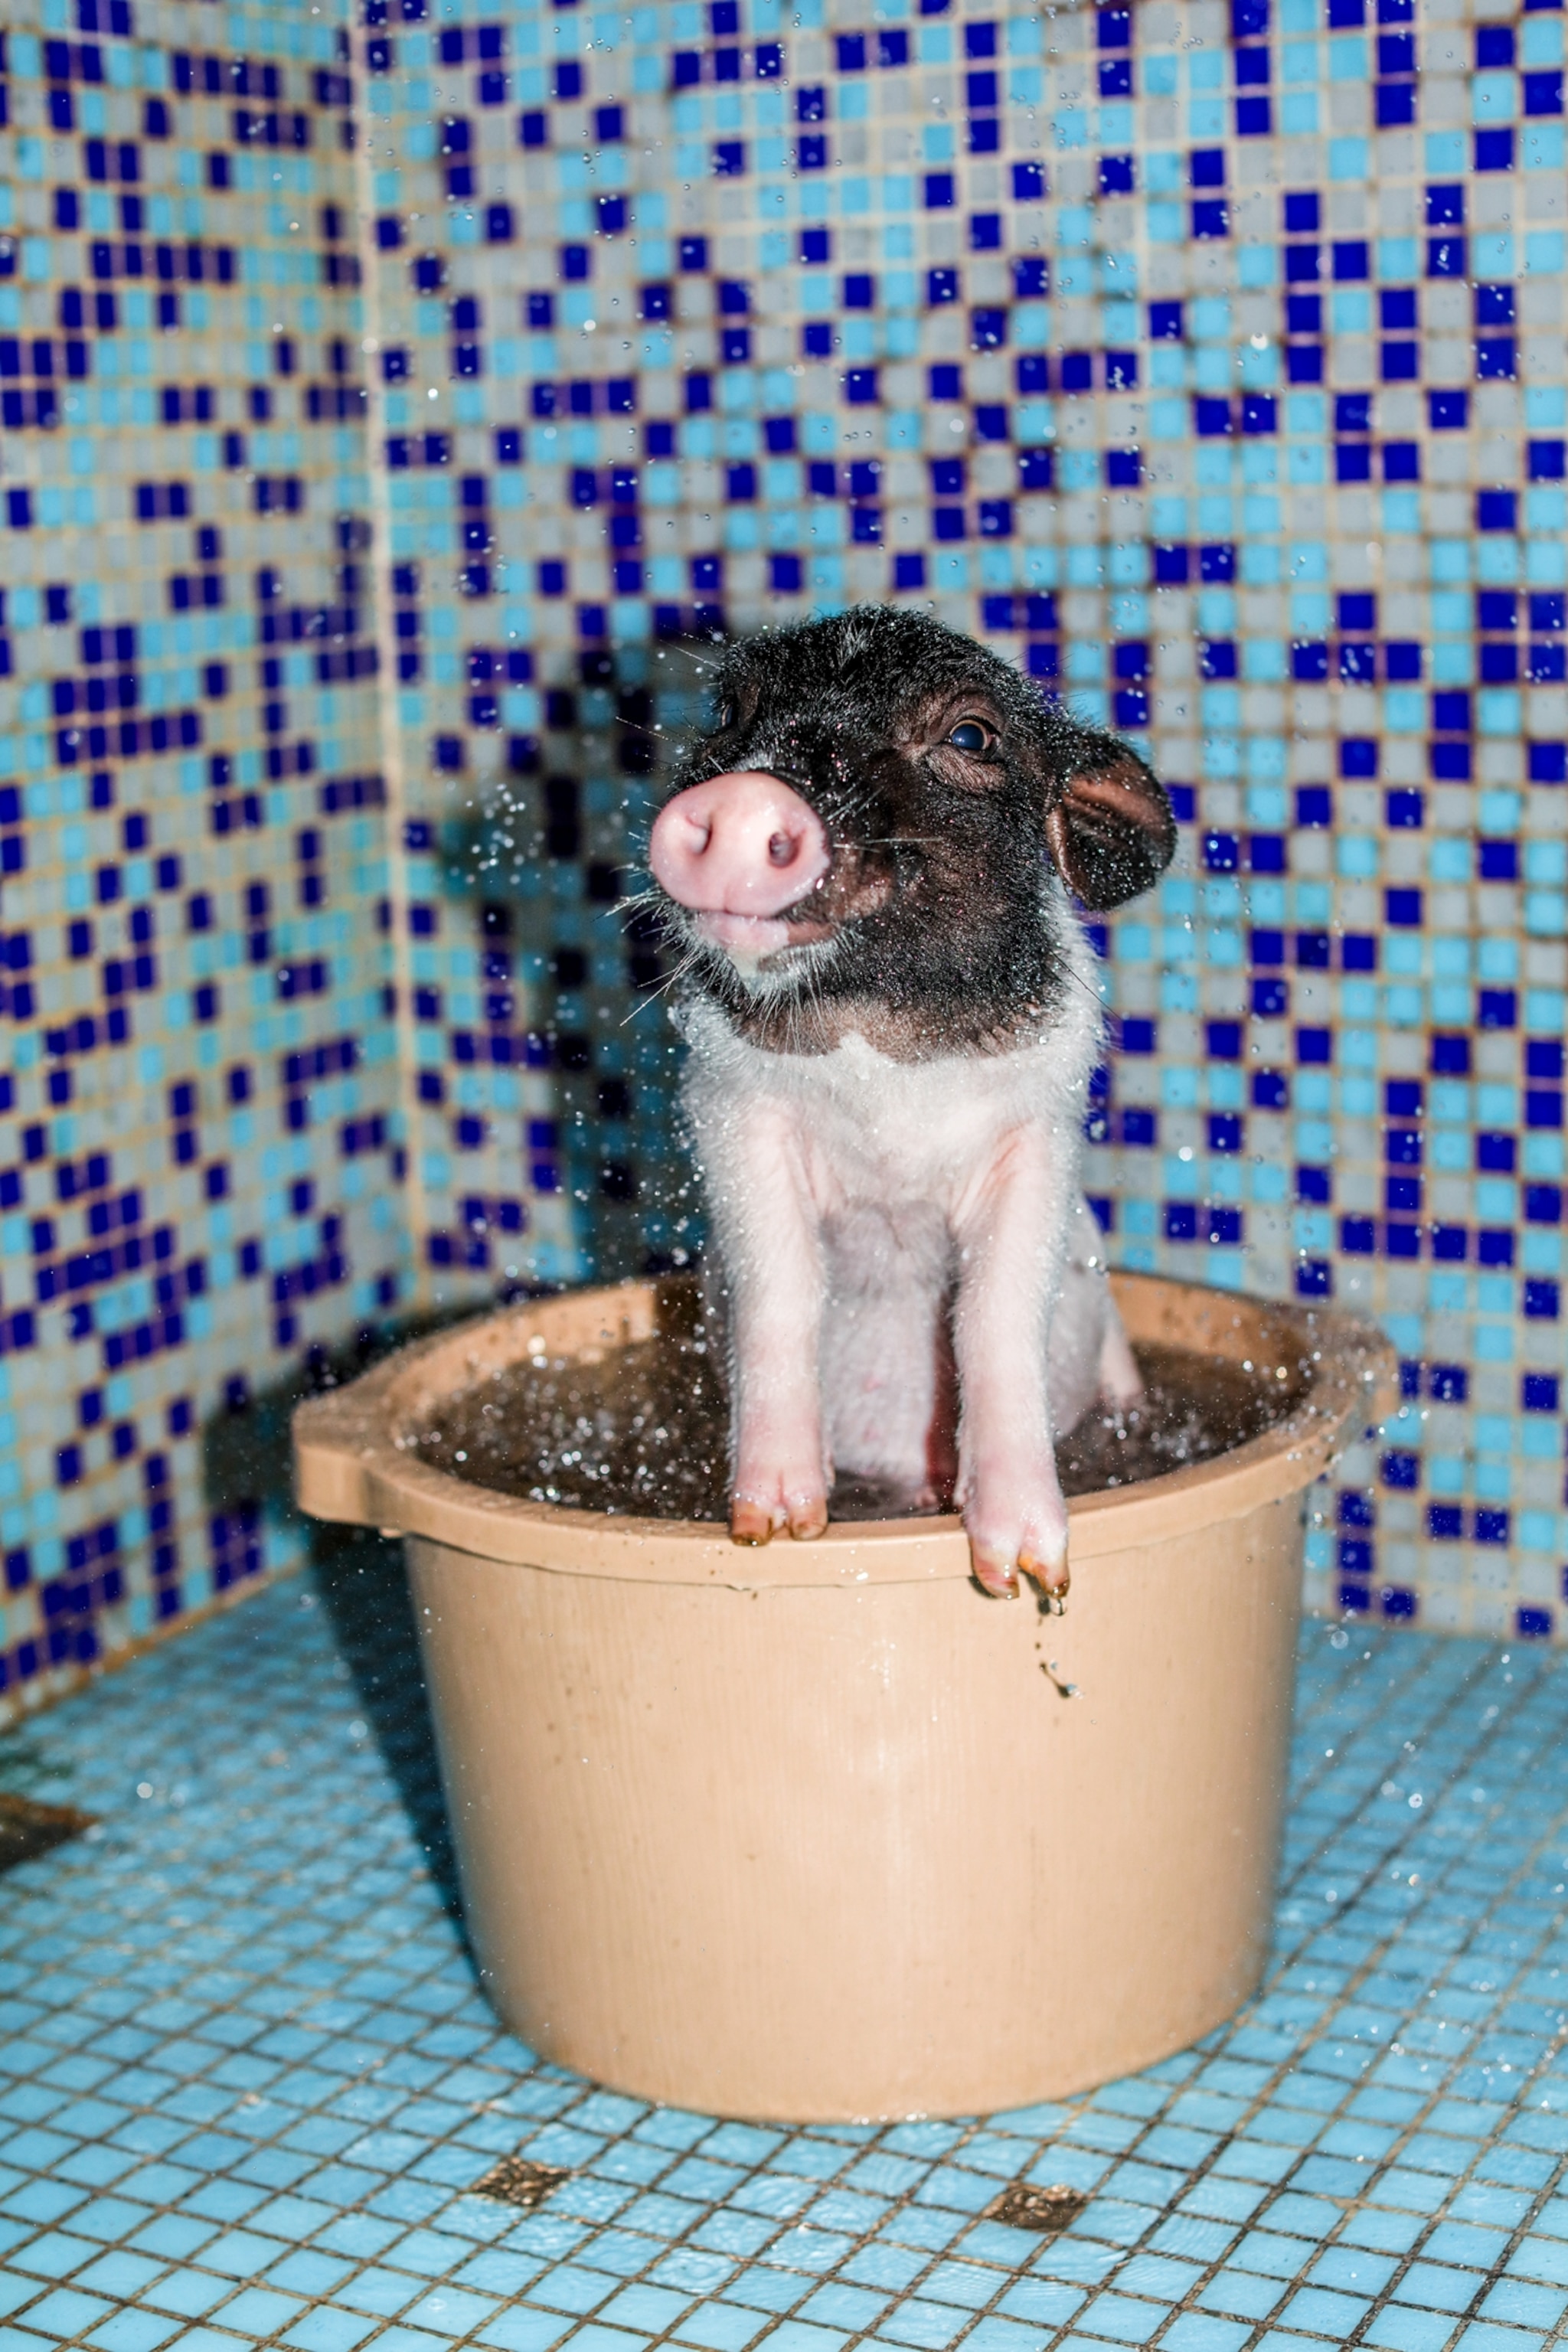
(876,1135)
(882,1133)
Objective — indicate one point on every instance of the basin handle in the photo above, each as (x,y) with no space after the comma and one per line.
(335,1444)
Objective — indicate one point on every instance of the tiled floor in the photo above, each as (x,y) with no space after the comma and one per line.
(248,2083)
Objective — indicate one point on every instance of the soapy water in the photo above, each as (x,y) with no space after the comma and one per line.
(642,1432)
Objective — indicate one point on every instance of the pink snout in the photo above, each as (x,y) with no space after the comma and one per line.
(740,845)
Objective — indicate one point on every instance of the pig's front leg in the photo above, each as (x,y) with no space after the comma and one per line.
(771,1249)
(1011,1230)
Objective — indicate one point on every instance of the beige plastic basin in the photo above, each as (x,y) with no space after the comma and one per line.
(813,1833)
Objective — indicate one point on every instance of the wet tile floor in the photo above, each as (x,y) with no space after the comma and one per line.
(248,2084)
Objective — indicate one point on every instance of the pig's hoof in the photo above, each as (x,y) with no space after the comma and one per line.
(1050,1579)
(993,1573)
(1001,1580)
(773,1499)
(750,1523)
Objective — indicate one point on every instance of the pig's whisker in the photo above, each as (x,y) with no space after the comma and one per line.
(653,994)
(1088,990)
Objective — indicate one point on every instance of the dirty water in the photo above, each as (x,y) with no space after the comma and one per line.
(642,1432)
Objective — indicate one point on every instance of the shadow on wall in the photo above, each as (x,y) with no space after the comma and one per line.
(548,852)
(361,1577)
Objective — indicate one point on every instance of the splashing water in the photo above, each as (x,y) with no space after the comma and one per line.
(644,1432)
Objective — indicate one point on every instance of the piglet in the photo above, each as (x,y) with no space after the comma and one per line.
(869,862)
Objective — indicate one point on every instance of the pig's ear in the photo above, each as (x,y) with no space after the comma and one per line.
(1110,830)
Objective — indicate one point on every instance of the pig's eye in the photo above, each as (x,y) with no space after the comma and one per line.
(970,735)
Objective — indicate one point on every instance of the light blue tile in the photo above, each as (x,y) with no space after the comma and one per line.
(1195,2331)
(451,2311)
(850,2308)
(1324,2312)
(108,2219)
(568,2289)
(1120,2318)
(307,2272)
(1158,2277)
(967,2284)
(382,2291)
(54,2255)
(256,2311)
(1220,2199)
(530,2331)
(325,2329)
(1392,2234)
(1438,2288)
(1042,2303)
(133,2331)
(43,2201)
(190,2294)
(1462,2242)
(217,2200)
(931,2326)
(651,2310)
(1540,2258)
(207,2339)
(1244,2293)
(1401,2328)
(591,2338)
(889,2268)
(796,2335)
(993,2334)
(241,2253)
(173,2237)
(1519,2305)
(1478,2201)
(1357,2273)
(768,2290)
(1274,2256)
(120,2274)
(65,2313)
(1413,2192)
(718,2327)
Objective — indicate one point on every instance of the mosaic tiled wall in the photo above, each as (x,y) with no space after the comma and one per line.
(1209,359)
(197,1106)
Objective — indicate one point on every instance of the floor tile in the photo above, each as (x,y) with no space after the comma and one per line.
(326,2206)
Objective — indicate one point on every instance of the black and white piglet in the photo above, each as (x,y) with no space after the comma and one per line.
(892,1016)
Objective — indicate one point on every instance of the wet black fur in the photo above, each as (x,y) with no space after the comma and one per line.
(965,945)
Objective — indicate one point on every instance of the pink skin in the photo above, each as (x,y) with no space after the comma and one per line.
(782,1475)
(1014,1510)
(1007,1488)
(738,851)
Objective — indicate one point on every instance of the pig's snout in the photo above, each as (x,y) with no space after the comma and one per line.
(740,845)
